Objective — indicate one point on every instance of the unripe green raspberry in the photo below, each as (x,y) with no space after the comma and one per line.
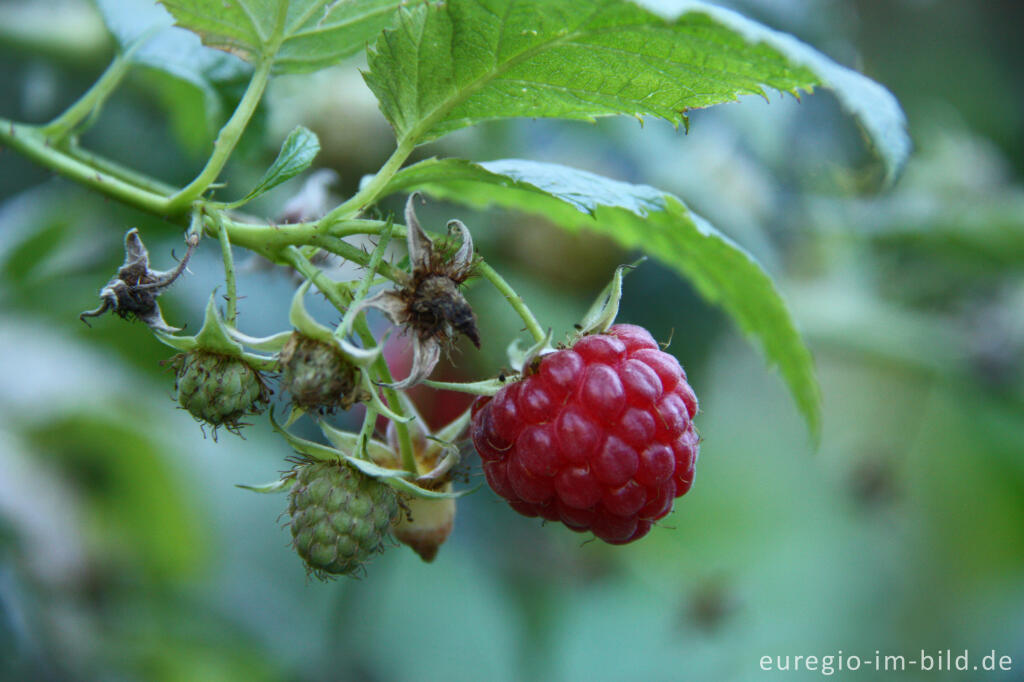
(317,376)
(339,517)
(219,389)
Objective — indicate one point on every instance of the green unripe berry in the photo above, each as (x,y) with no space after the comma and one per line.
(318,376)
(219,389)
(339,517)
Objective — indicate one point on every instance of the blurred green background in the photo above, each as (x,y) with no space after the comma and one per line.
(127,552)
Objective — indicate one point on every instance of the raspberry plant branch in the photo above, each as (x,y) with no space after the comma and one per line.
(380,365)
(294,256)
(229,270)
(370,191)
(436,67)
(28,140)
(226,140)
(364,286)
(117,170)
(366,432)
(89,103)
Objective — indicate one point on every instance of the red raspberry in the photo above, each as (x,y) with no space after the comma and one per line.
(598,436)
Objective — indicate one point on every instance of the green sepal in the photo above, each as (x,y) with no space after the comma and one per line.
(307,326)
(605,309)
(304,322)
(294,415)
(261,362)
(487,387)
(215,336)
(379,404)
(378,451)
(329,454)
(183,343)
(519,358)
(414,490)
(449,434)
(281,485)
(392,477)
(270,344)
(362,357)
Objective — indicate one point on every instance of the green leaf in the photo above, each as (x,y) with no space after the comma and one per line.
(184,73)
(454,64)
(299,35)
(296,155)
(637,216)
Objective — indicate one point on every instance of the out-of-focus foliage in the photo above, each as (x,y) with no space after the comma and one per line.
(126,551)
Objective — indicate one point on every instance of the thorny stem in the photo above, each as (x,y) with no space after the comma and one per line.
(372,189)
(294,256)
(32,143)
(229,270)
(328,287)
(267,240)
(380,365)
(195,226)
(227,138)
(366,432)
(514,299)
(89,103)
(364,285)
(482,269)
(280,244)
(119,171)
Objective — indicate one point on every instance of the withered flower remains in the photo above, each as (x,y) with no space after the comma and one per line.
(132,293)
(429,302)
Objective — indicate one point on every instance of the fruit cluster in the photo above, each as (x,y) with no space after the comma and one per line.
(598,436)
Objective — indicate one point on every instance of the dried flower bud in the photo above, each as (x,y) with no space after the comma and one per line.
(132,293)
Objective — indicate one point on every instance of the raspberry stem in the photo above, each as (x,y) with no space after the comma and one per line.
(482,268)
(227,138)
(89,103)
(514,299)
(229,270)
(366,432)
(294,256)
(380,365)
(372,189)
(364,286)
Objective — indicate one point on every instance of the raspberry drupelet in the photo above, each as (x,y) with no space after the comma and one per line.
(598,436)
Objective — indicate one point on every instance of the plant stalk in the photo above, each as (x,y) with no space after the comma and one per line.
(227,138)
(89,103)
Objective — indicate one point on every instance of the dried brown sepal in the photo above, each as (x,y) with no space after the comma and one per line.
(429,304)
(132,293)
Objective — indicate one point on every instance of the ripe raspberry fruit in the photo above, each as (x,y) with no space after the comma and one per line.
(598,436)
(338,517)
